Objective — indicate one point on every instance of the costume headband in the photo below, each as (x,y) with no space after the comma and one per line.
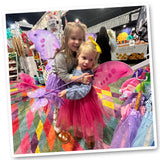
(96,44)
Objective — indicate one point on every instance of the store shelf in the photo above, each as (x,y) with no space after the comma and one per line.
(12,69)
(13,62)
(13,66)
(12,76)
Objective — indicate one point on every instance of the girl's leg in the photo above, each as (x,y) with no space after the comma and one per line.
(55,116)
(78,135)
(90,138)
(61,135)
(90,142)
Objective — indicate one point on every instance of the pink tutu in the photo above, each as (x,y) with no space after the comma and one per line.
(85,115)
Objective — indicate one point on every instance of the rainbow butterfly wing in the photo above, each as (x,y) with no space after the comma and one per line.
(110,72)
(45,42)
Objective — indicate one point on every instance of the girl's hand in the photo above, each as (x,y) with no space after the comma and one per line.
(62,94)
(87,78)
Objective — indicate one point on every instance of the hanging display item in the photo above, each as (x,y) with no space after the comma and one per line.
(54,24)
(122,38)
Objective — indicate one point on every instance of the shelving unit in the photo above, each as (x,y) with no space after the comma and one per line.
(40,66)
(13,66)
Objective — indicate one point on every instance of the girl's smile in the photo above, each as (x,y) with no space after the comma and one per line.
(75,39)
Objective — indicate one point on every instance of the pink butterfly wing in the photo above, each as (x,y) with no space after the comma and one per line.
(45,42)
(110,72)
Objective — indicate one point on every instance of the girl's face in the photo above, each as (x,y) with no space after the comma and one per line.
(86,60)
(75,39)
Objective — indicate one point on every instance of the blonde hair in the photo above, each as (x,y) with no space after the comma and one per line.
(90,47)
(67,32)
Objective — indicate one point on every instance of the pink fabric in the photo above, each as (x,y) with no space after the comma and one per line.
(132,83)
(26,83)
(85,115)
(125,110)
(128,87)
(142,110)
(142,76)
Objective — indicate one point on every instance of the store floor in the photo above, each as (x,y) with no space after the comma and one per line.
(33,132)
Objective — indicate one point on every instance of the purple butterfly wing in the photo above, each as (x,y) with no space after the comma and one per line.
(110,72)
(90,34)
(49,65)
(37,93)
(45,42)
(39,103)
(39,100)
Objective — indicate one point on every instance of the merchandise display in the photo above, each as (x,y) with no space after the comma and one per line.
(125,52)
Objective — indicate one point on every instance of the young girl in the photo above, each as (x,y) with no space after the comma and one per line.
(64,62)
(82,108)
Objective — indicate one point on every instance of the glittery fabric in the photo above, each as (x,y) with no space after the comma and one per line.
(126,130)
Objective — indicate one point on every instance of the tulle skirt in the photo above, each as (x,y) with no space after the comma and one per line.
(54,82)
(85,115)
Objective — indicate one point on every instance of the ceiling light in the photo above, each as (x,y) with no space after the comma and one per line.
(124,26)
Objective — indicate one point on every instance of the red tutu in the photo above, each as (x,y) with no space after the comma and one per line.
(85,115)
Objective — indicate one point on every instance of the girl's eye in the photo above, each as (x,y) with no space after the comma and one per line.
(84,57)
(73,38)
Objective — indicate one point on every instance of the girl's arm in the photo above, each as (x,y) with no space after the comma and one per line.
(60,67)
(78,91)
(62,94)
(86,78)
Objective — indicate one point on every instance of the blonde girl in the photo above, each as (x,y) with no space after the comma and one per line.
(82,108)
